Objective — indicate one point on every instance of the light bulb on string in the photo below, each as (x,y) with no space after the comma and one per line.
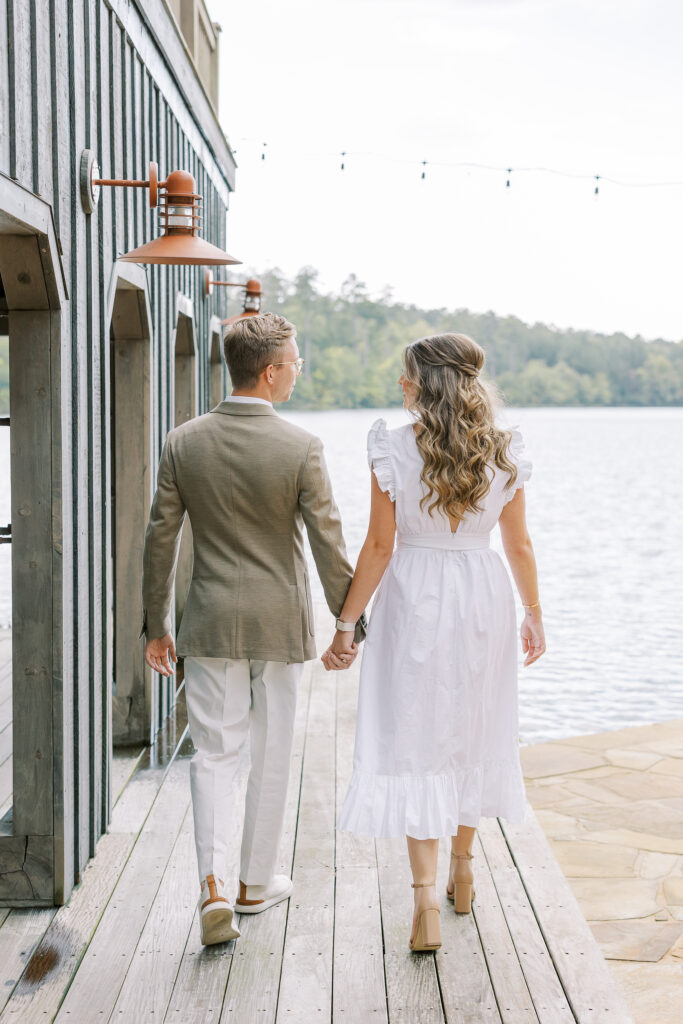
(342,162)
(596,191)
(424,172)
(507,183)
(263,151)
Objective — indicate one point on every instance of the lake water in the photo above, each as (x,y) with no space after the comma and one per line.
(605,513)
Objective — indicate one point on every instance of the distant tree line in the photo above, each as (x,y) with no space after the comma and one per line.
(352,344)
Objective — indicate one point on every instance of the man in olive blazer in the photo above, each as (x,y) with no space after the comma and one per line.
(249,482)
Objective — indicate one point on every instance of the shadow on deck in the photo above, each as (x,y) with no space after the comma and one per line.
(126,946)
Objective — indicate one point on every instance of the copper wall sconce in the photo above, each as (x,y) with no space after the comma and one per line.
(252,295)
(179,213)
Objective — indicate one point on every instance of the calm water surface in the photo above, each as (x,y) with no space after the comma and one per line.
(605,511)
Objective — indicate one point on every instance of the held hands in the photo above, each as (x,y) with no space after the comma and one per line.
(533,637)
(341,653)
(159,654)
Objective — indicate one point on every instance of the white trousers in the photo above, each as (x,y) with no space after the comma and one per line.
(228,700)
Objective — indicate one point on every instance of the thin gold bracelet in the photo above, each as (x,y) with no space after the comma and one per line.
(536,605)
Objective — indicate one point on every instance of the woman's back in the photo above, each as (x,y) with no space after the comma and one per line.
(397,462)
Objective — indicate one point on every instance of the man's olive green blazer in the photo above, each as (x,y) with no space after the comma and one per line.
(249,480)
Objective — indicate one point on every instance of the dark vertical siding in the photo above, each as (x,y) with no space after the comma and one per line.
(74,80)
(102,87)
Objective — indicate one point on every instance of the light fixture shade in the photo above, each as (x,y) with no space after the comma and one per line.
(181,248)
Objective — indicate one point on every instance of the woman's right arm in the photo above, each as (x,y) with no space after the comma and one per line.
(520,555)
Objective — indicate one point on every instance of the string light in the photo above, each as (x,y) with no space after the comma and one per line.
(558,172)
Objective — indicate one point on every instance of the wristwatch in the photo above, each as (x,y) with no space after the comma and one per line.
(345,627)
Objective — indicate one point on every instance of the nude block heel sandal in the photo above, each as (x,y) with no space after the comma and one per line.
(463,892)
(428,931)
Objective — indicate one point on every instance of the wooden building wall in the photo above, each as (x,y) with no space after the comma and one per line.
(112,77)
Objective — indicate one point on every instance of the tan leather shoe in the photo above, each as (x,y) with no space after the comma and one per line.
(460,887)
(215,913)
(253,899)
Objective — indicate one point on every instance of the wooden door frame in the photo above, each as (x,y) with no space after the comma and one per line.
(36,846)
(216,361)
(188,350)
(129,317)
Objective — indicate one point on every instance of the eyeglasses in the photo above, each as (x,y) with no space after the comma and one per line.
(299,363)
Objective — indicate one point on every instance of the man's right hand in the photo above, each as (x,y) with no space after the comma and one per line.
(158,652)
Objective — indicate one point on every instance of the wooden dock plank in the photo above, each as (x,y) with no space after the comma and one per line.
(509,984)
(254,979)
(149,982)
(306,980)
(102,971)
(464,980)
(123,765)
(536,963)
(359,992)
(20,934)
(40,990)
(412,984)
(199,987)
(590,988)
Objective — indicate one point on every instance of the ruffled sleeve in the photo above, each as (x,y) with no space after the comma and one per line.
(517,452)
(379,457)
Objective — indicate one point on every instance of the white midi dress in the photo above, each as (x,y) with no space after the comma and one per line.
(437,736)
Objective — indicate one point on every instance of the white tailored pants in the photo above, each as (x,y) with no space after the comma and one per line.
(228,700)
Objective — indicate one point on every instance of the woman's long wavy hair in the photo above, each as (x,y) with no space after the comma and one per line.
(458,438)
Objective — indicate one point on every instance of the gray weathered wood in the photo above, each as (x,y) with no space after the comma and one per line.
(131,441)
(591,990)
(149,981)
(5,107)
(30,443)
(536,963)
(185,392)
(254,979)
(412,984)
(20,934)
(55,959)
(118,81)
(108,957)
(20,90)
(306,981)
(359,989)
(514,1000)
(464,980)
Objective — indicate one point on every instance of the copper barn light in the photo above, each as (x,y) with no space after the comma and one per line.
(252,298)
(179,214)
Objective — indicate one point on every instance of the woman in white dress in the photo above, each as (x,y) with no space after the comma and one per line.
(437,742)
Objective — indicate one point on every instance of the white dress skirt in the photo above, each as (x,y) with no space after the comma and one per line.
(437,735)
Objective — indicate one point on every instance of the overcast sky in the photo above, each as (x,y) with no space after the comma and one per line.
(582,86)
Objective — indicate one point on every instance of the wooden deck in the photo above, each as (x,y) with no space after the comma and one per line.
(126,946)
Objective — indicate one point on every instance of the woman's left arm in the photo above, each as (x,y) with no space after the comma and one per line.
(372,562)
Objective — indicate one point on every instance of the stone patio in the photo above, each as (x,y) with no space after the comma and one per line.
(611,806)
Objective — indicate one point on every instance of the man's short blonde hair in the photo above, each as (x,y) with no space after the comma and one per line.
(252,344)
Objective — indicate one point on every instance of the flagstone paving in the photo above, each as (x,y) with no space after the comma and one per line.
(611,806)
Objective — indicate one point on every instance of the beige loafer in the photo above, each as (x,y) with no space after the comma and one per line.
(215,913)
(254,899)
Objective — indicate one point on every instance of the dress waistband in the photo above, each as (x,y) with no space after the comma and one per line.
(445,541)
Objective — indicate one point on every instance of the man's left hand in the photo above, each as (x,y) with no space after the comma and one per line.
(159,654)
